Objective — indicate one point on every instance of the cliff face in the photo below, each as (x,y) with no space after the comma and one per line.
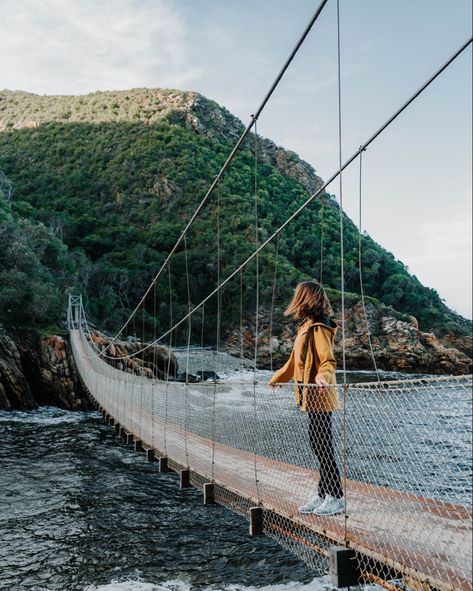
(205,117)
(38,370)
(15,391)
(398,345)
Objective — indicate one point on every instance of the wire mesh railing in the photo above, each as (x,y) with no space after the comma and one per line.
(400,451)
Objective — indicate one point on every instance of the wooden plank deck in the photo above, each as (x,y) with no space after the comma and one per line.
(396,528)
(427,540)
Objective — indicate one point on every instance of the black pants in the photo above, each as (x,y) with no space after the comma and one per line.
(321,441)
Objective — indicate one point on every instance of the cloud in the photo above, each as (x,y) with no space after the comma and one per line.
(439,252)
(441,241)
(76,46)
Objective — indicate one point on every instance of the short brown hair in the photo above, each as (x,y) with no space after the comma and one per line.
(309,300)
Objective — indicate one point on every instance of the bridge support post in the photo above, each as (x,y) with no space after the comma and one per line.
(343,567)
(209,498)
(184,478)
(256,521)
(129,438)
(163,465)
(123,432)
(138,445)
(117,428)
(150,457)
(111,421)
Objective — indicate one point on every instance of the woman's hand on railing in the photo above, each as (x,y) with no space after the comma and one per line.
(321,383)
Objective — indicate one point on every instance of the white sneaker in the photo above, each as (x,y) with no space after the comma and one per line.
(311,504)
(330,506)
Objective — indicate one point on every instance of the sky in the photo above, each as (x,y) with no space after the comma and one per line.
(417,179)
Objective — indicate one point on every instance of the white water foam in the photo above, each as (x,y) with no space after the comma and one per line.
(45,415)
(317,584)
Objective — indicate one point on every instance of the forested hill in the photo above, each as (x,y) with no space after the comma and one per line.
(96,189)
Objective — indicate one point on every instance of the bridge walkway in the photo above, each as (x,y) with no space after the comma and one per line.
(206,429)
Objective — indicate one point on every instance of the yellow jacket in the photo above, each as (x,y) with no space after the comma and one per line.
(319,363)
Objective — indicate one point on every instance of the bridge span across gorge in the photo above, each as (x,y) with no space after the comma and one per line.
(404,449)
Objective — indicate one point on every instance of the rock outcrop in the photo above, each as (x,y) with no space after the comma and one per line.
(462,343)
(15,392)
(398,344)
(154,362)
(38,370)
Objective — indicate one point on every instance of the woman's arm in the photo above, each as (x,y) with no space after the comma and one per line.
(286,372)
(324,348)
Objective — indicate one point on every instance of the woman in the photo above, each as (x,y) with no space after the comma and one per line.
(312,362)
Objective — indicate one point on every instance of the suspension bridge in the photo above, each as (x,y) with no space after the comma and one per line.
(404,447)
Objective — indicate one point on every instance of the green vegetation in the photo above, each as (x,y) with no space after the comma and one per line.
(35,270)
(104,184)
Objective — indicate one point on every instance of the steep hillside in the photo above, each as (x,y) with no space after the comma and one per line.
(36,269)
(115,176)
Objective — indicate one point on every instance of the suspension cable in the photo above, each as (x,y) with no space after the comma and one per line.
(228,161)
(202,331)
(155,366)
(360,267)
(189,335)
(340,179)
(321,274)
(217,349)
(255,187)
(273,302)
(241,321)
(342,273)
(320,191)
(255,361)
(168,369)
(189,308)
(155,313)
(219,293)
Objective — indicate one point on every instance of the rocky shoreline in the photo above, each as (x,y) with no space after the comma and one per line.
(40,370)
(398,344)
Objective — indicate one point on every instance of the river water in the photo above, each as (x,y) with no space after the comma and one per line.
(79,510)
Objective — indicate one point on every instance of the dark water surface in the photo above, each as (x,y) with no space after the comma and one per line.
(80,510)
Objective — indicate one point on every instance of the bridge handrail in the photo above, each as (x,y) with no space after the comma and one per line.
(396,453)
